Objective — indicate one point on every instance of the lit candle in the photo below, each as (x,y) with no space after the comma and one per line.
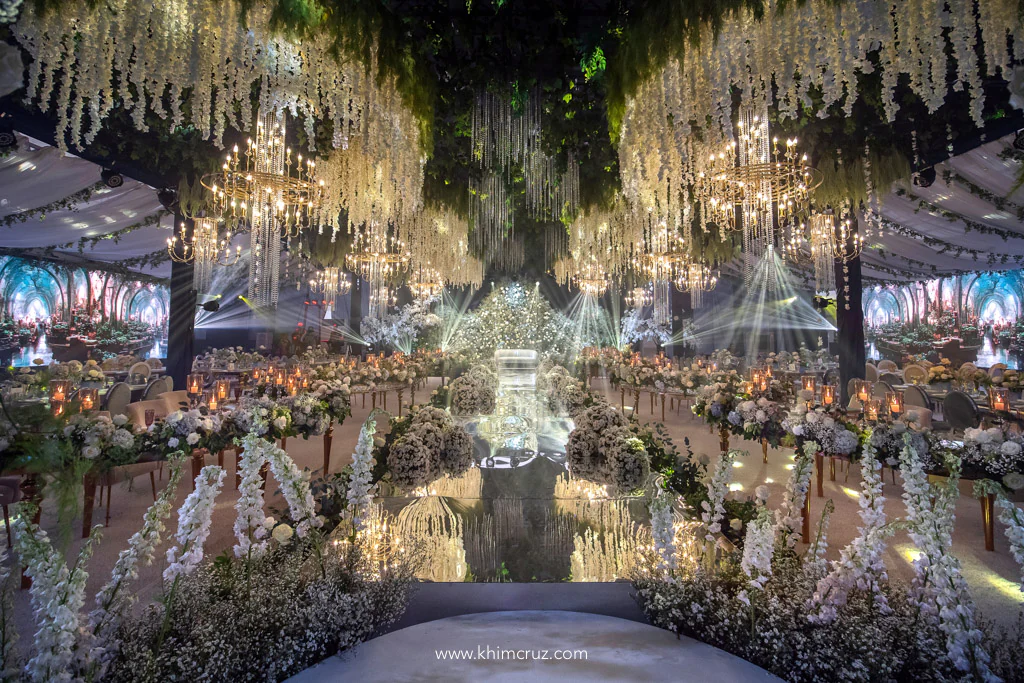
(768,371)
(863,390)
(223,388)
(764,384)
(871,410)
(279,377)
(894,400)
(809,381)
(59,389)
(57,407)
(1000,399)
(195,384)
(210,398)
(828,394)
(89,398)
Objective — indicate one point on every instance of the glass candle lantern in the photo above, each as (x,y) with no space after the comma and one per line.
(808,382)
(223,389)
(863,390)
(279,377)
(305,382)
(894,402)
(768,371)
(871,410)
(90,398)
(210,399)
(256,374)
(828,394)
(57,407)
(1000,399)
(195,384)
(60,389)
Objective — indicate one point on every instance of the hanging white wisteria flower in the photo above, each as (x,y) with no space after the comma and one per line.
(360,483)
(789,515)
(939,590)
(57,592)
(663,531)
(860,565)
(114,600)
(194,518)
(251,525)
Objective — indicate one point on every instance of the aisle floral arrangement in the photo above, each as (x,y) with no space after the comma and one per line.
(834,435)
(718,397)
(423,447)
(603,449)
(473,393)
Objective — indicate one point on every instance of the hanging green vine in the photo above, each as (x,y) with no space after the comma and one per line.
(90,242)
(953,216)
(1001,203)
(68,203)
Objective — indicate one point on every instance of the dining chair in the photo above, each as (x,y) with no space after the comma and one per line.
(887,366)
(914,374)
(154,389)
(870,372)
(140,369)
(118,397)
(136,412)
(961,412)
(175,400)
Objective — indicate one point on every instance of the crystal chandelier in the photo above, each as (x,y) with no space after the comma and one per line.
(696,278)
(638,297)
(592,280)
(332,282)
(426,284)
(379,258)
(274,192)
(756,185)
(204,248)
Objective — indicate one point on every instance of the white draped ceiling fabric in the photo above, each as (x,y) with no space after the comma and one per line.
(37,175)
(954,226)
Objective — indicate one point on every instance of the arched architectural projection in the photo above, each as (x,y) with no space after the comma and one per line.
(46,306)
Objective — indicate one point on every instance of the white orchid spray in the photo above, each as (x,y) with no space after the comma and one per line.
(663,531)
(789,515)
(1012,518)
(939,590)
(194,518)
(860,565)
(57,593)
(359,492)
(113,600)
(251,525)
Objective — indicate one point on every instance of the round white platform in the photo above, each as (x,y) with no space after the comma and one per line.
(616,650)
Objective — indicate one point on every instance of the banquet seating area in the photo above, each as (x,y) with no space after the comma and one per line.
(422,341)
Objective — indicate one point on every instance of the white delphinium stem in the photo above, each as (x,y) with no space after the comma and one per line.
(789,516)
(359,484)
(58,593)
(1013,518)
(112,601)
(860,564)
(939,590)
(194,518)
(295,487)
(713,509)
(250,523)
(758,545)
(663,532)
(815,564)
(8,635)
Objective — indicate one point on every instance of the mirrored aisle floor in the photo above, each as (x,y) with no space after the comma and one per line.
(518,516)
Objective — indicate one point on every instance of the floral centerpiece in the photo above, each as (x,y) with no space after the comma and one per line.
(423,447)
(186,430)
(759,420)
(311,414)
(337,393)
(264,416)
(940,374)
(834,436)
(603,449)
(888,440)
(106,441)
(1010,379)
(718,397)
(563,392)
(472,394)
(992,454)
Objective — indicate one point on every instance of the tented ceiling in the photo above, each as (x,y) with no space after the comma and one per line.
(130,219)
(967,220)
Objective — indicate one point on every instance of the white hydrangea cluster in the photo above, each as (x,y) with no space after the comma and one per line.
(993,450)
